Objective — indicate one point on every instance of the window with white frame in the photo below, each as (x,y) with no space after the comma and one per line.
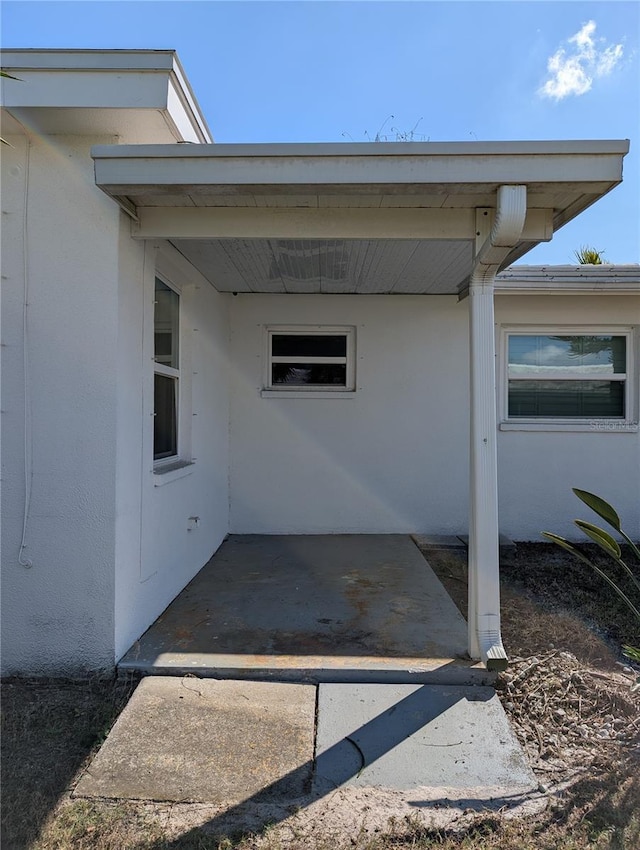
(567,375)
(310,358)
(166,326)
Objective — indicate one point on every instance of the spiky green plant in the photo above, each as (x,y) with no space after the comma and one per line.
(587,256)
(611,547)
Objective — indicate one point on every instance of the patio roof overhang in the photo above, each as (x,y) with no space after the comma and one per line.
(349,218)
(374,218)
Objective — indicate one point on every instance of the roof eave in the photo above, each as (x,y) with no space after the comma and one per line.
(77,85)
(605,278)
(347,168)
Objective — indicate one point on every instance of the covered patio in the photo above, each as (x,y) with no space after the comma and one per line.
(438,219)
(316,608)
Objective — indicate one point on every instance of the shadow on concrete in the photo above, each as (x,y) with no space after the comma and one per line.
(332,768)
(49,729)
(475,804)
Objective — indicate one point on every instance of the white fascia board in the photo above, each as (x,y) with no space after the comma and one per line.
(181,88)
(403,149)
(563,287)
(104,80)
(85,60)
(314,165)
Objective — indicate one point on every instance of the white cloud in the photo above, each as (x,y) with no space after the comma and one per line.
(549,355)
(608,60)
(556,355)
(584,38)
(572,69)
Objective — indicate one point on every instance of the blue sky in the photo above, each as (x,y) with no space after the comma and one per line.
(336,71)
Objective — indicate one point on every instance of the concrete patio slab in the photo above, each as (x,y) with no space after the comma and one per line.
(426,542)
(438,541)
(506,544)
(312,608)
(410,736)
(207,741)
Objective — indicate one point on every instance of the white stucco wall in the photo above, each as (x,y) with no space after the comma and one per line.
(391,458)
(536,470)
(58,615)
(109,548)
(157,554)
(394,457)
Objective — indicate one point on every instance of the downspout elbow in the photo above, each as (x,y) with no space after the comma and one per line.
(492,651)
(506,231)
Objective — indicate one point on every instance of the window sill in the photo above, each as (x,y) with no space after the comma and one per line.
(307,393)
(595,426)
(165,473)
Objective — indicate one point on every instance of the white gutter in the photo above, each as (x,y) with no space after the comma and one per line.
(485,640)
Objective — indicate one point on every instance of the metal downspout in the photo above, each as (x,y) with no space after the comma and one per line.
(485,640)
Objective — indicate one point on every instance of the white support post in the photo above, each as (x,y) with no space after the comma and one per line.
(484,581)
(485,641)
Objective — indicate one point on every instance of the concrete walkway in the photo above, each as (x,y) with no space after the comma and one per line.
(315,608)
(256,751)
(374,692)
(201,740)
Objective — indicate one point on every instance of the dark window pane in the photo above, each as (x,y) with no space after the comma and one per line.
(313,345)
(164,345)
(318,374)
(619,354)
(567,399)
(165,420)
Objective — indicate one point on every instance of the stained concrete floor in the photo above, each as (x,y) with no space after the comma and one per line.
(314,608)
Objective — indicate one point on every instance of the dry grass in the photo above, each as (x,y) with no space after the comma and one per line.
(550,601)
(89,825)
(571,707)
(49,729)
(600,812)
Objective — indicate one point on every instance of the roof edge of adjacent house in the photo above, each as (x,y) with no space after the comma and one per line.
(604,278)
